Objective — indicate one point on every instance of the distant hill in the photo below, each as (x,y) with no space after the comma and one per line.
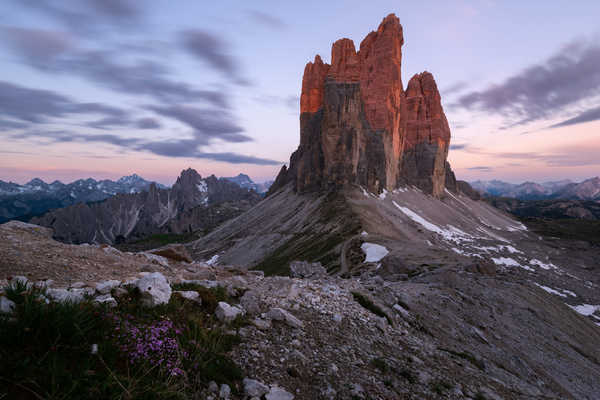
(36,197)
(563,190)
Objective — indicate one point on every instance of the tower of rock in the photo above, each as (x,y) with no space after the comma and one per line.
(359,126)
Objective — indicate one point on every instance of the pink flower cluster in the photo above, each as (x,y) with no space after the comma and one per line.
(154,343)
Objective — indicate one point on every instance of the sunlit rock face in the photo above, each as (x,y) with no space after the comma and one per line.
(359,126)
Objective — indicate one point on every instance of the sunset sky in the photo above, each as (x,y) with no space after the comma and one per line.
(106,88)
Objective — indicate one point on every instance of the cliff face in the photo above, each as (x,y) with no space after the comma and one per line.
(359,126)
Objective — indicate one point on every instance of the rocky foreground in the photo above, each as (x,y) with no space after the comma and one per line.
(478,331)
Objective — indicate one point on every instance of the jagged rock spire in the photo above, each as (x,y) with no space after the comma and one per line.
(359,126)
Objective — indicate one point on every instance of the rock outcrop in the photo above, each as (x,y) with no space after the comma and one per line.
(359,126)
(192,204)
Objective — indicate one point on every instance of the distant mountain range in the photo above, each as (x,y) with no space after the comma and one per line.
(36,197)
(245,182)
(563,190)
(192,204)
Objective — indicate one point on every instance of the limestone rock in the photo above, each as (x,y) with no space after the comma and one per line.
(226,313)
(106,299)
(106,286)
(64,296)
(254,388)
(154,288)
(6,305)
(279,314)
(277,393)
(190,295)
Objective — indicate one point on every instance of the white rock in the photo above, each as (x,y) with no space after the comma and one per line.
(262,324)
(213,387)
(225,391)
(6,305)
(64,296)
(44,284)
(277,393)
(154,288)
(227,313)
(255,388)
(106,299)
(77,285)
(279,314)
(106,286)
(190,295)
(337,318)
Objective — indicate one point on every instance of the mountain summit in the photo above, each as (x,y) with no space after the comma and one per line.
(359,126)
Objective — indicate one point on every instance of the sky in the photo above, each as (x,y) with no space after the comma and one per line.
(106,88)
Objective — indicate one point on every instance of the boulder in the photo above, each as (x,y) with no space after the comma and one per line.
(64,295)
(254,388)
(154,288)
(251,302)
(277,393)
(6,305)
(189,295)
(279,314)
(106,299)
(106,286)
(226,313)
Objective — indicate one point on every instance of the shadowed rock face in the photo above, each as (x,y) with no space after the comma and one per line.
(359,126)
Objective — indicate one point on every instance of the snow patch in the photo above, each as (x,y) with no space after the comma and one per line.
(550,290)
(383,194)
(452,233)
(363,233)
(585,309)
(373,252)
(202,187)
(509,262)
(213,260)
(542,265)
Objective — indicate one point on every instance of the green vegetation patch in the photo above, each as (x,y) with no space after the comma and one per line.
(89,351)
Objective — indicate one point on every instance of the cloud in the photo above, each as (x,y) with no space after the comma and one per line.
(458,146)
(212,50)
(6,125)
(208,124)
(147,123)
(184,148)
(38,106)
(455,88)
(84,17)
(568,77)
(586,116)
(481,168)
(36,46)
(267,20)
(145,77)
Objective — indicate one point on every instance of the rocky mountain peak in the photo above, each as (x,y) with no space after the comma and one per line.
(359,126)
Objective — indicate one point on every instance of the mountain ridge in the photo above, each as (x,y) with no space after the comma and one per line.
(588,189)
